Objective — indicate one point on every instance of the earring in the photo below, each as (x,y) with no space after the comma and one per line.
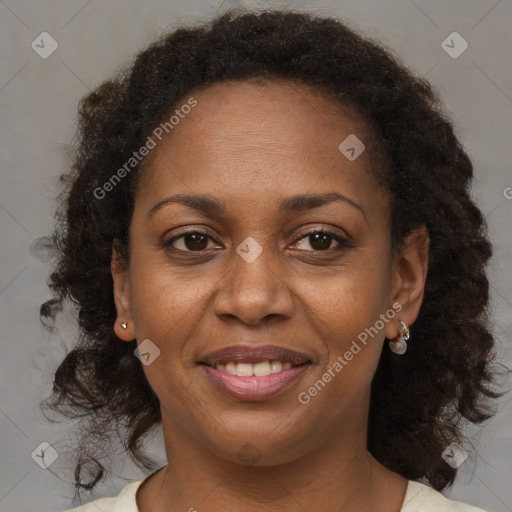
(399,344)
(124,325)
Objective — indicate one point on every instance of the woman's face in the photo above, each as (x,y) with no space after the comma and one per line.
(253,279)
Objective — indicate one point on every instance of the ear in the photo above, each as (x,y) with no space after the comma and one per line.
(410,266)
(120,276)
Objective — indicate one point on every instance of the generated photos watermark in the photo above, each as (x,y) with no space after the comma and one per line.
(305,397)
(137,156)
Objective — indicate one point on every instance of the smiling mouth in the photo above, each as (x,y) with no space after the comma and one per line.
(254,355)
(245,384)
(253,372)
(260,369)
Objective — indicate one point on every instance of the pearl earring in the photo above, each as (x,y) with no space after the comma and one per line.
(399,344)
(124,325)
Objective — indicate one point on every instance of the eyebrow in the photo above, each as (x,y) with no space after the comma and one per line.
(293,204)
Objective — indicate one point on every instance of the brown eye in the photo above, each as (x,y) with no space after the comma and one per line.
(195,242)
(191,241)
(321,240)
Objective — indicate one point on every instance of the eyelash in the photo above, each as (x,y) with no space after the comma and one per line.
(343,242)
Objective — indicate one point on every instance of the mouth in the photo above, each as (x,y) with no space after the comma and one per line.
(248,372)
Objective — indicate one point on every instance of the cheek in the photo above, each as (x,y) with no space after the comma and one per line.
(163,302)
(349,300)
(346,313)
(161,310)
(160,315)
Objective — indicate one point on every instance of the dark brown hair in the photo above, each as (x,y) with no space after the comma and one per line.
(417,399)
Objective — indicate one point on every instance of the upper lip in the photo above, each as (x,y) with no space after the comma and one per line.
(254,354)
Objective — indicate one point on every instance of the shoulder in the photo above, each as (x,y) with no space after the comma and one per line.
(125,501)
(417,498)
(103,504)
(420,496)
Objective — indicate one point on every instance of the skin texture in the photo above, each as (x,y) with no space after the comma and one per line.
(252,145)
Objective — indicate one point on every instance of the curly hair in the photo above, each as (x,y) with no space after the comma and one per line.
(417,401)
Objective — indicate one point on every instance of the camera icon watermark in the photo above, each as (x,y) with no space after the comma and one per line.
(454,455)
(507,192)
(249,249)
(249,454)
(352,147)
(42,249)
(146,352)
(454,45)
(44,455)
(44,45)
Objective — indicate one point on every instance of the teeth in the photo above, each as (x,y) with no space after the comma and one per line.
(259,369)
(230,368)
(276,366)
(244,369)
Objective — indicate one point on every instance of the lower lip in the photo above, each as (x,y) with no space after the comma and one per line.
(255,388)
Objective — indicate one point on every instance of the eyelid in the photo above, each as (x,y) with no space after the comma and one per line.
(322,229)
(343,241)
(192,231)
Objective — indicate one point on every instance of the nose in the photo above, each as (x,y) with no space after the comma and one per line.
(253,291)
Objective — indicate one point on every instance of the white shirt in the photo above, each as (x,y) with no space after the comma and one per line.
(418,498)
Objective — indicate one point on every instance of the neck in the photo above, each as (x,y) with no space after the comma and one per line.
(340,475)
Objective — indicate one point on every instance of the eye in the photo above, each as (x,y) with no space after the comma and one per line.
(321,239)
(190,241)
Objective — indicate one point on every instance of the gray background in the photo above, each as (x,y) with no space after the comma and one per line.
(38,101)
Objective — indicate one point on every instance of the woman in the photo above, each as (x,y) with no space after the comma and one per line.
(268,234)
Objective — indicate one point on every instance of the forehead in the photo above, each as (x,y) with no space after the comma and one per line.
(283,113)
(260,139)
